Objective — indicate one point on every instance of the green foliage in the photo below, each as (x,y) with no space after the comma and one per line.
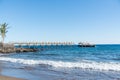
(3,31)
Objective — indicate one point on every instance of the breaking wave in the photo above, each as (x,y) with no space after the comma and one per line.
(61,64)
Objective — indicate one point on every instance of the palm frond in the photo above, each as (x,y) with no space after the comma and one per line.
(3,30)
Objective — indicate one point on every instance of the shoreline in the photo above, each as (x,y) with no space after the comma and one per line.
(3,77)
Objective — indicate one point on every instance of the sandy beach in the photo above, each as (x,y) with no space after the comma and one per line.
(9,78)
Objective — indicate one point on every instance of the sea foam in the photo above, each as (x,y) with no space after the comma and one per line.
(60,64)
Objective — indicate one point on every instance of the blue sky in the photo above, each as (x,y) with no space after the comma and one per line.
(96,21)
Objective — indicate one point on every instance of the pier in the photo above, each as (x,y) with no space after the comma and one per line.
(42,43)
(55,44)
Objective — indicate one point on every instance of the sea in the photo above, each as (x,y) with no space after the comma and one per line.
(61,62)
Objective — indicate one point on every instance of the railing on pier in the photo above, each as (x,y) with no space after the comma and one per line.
(43,43)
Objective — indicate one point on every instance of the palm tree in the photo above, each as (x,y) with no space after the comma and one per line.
(3,31)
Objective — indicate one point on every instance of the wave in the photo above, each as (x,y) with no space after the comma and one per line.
(60,64)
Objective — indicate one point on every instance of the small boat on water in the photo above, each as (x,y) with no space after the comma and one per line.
(85,44)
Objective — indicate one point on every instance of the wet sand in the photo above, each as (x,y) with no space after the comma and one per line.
(3,77)
(9,78)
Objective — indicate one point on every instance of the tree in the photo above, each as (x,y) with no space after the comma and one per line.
(3,31)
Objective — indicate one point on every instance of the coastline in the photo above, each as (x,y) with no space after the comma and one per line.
(2,77)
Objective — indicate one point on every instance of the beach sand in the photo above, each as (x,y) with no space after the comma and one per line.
(9,78)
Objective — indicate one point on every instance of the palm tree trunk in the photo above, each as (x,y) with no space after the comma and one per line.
(3,42)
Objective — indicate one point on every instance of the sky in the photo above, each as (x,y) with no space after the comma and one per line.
(94,21)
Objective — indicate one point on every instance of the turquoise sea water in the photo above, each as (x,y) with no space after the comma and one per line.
(62,62)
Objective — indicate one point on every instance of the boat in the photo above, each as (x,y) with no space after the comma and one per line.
(85,44)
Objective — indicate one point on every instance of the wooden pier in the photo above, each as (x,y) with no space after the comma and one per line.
(42,43)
